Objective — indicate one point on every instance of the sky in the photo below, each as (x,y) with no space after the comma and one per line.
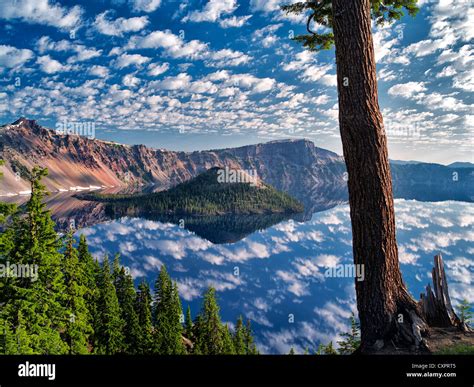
(203,74)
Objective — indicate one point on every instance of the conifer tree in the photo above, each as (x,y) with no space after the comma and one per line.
(250,347)
(239,337)
(143,310)
(210,340)
(109,337)
(351,340)
(326,349)
(116,269)
(167,315)
(36,301)
(188,324)
(383,295)
(198,335)
(227,342)
(7,339)
(78,326)
(92,271)
(126,295)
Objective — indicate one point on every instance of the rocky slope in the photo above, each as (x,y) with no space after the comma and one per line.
(312,175)
(293,166)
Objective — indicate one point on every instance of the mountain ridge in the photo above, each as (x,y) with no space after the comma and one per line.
(313,175)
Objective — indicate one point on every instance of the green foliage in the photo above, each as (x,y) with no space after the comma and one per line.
(78,326)
(188,324)
(167,316)
(109,332)
(351,339)
(319,12)
(210,330)
(239,337)
(250,347)
(465,313)
(33,309)
(20,169)
(77,306)
(227,342)
(326,349)
(203,195)
(126,296)
(91,273)
(456,349)
(143,309)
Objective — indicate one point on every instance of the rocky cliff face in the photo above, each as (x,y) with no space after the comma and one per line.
(312,175)
(293,166)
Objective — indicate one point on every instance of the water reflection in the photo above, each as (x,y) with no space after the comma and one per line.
(275,277)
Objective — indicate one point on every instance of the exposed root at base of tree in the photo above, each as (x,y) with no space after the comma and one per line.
(424,327)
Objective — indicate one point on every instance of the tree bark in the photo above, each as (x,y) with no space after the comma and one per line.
(388,314)
(436,303)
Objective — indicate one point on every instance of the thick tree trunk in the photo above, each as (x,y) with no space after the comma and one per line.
(388,314)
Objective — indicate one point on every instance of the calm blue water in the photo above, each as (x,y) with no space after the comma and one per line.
(275,277)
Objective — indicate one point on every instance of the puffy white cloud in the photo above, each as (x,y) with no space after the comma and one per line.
(428,46)
(145,5)
(50,65)
(296,286)
(175,47)
(41,12)
(452,20)
(99,71)
(172,44)
(212,11)
(407,90)
(12,57)
(126,60)
(179,82)
(234,21)
(155,69)
(130,80)
(386,38)
(227,57)
(266,6)
(119,26)
(461,68)
(245,81)
(266,35)
(83,53)
(309,71)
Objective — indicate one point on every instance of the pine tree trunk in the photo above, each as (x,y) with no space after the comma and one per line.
(388,314)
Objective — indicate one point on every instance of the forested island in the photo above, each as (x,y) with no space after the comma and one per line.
(204,195)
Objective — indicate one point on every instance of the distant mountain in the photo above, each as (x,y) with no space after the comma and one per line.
(215,192)
(310,174)
(296,167)
(461,164)
(403,162)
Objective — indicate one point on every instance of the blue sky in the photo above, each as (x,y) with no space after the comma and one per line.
(202,74)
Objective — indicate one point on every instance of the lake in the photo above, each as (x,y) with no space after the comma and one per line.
(273,272)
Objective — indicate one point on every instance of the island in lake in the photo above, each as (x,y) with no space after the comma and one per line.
(215,192)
